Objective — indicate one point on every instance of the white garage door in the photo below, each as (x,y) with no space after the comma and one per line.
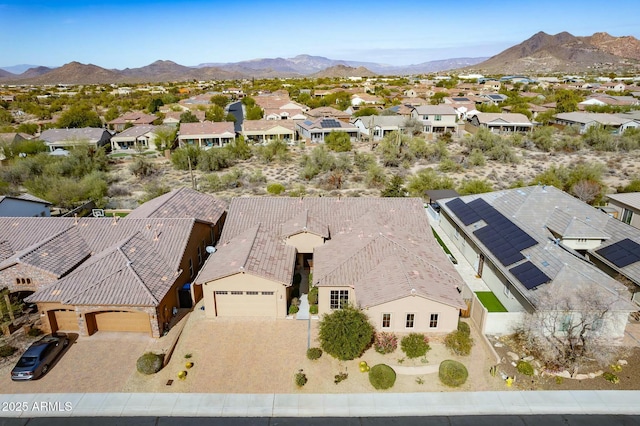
(245,303)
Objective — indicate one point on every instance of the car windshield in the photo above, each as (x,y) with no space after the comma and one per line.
(27,361)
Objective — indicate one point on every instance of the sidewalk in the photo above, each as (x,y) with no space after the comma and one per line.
(381,404)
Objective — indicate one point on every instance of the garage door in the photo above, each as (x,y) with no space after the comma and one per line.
(122,321)
(245,304)
(64,321)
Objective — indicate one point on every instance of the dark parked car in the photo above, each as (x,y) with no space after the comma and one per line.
(36,361)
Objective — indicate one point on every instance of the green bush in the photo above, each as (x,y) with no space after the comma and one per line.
(525,368)
(345,333)
(452,373)
(301,379)
(313,296)
(382,376)
(275,188)
(463,327)
(314,353)
(415,345)
(293,309)
(34,332)
(7,350)
(458,342)
(313,309)
(150,363)
(611,378)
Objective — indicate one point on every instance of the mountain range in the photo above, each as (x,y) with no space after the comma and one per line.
(541,53)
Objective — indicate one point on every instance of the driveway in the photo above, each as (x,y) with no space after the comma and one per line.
(99,363)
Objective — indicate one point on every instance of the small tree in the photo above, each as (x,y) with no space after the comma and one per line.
(338,141)
(345,333)
(188,117)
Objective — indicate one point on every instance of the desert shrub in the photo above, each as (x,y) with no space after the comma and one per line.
(385,342)
(314,353)
(275,188)
(449,165)
(118,191)
(7,350)
(525,368)
(34,332)
(149,363)
(476,158)
(313,296)
(452,373)
(459,342)
(382,376)
(340,377)
(463,327)
(301,379)
(293,309)
(313,309)
(611,378)
(415,345)
(142,167)
(345,333)
(338,141)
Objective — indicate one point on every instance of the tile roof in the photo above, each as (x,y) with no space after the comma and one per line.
(508,117)
(206,128)
(363,233)
(435,110)
(91,134)
(631,199)
(327,112)
(263,125)
(134,118)
(134,132)
(182,203)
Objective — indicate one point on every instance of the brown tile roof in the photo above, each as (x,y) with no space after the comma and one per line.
(262,125)
(57,255)
(327,112)
(364,233)
(134,118)
(206,128)
(182,203)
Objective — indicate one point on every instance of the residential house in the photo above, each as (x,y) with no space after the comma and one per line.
(284,114)
(68,138)
(206,134)
(315,131)
(109,274)
(25,205)
(375,253)
(603,100)
(584,120)
(535,109)
(626,207)
(138,137)
(436,118)
(376,127)
(500,122)
(131,119)
(328,112)
(265,131)
(494,98)
(532,242)
(363,100)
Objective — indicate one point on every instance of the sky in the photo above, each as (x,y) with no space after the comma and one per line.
(133,33)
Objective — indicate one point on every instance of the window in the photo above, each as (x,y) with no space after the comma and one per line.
(565,325)
(199,256)
(425,117)
(410,319)
(252,293)
(267,293)
(433,321)
(438,118)
(220,292)
(23,280)
(338,299)
(626,216)
(191,268)
(386,320)
(236,293)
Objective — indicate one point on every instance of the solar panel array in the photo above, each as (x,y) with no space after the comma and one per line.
(623,253)
(504,239)
(329,124)
(529,275)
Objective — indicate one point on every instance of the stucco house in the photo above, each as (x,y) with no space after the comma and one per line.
(140,137)
(134,118)
(584,120)
(528,242)
(626,207)
(376,253)
(25,205)
(377,126)
(264,131)
(436,118)
(206,134)
(68,138)
(109,274)
(501,122)
(315,131)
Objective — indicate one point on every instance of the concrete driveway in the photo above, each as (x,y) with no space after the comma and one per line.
(99,363)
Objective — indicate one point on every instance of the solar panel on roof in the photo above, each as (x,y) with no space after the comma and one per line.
(529,275)
(466,214)
(501,248)
(308,123)
(329,124)
(623,253)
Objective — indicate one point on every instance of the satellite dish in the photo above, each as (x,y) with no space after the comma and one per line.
(210,249)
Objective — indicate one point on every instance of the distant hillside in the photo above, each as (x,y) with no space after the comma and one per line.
(6,74)
(343,71)
(563,52)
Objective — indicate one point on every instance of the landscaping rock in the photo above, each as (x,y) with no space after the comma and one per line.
(513,356)
(528,358)
(564,374)
(536,363)
(581,376)
(536,372)
(498,344)
(598,373)
(622,362)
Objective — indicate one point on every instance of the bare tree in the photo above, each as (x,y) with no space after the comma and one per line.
(567,330)
(586,190)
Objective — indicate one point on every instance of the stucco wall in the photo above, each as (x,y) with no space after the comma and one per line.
(305,242)
(421,308)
